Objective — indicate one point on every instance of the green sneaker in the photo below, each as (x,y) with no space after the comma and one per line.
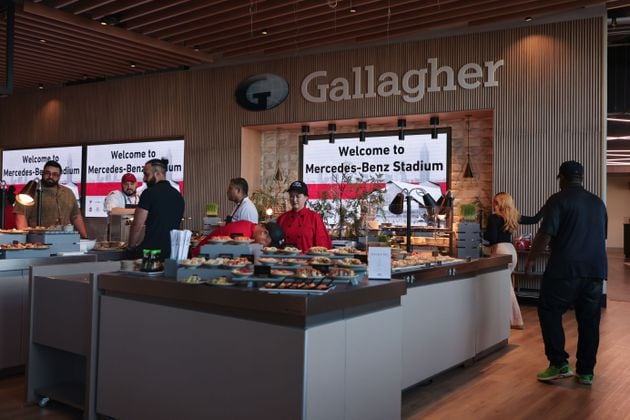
(554,372)
(584,379)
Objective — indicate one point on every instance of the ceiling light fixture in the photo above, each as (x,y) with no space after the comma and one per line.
(434,121)
(362,128)
(196,47)
(468,173)
(305,130)
(528,19)
(402,123)
(43,41)
(332,128)
(627,120)
(132,65)
(103,23)
(264,32)
(40,86)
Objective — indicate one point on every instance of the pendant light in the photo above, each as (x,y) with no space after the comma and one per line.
(468,173)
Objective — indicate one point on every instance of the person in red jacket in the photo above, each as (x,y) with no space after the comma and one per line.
(265,234)
(303,227)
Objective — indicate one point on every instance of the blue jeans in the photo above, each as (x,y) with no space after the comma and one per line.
(557,295)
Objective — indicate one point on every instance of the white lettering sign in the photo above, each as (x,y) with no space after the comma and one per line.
(411,86)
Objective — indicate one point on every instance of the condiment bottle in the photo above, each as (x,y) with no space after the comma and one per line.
(146,257)
(156,263)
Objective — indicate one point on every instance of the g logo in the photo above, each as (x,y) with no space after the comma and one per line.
(262,92)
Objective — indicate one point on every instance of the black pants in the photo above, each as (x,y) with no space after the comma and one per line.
(557,295)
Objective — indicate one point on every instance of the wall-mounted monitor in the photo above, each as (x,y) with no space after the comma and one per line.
(22,165)
(349,167)
(107,163)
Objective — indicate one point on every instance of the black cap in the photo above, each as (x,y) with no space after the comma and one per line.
(275,233)
(298,187)
(570,169)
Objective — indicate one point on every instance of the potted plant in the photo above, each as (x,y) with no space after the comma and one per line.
(468,212)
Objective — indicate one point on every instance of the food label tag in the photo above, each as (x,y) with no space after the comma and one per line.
(379,263)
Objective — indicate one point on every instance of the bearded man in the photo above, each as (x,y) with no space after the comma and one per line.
(159,211)
(59,205)
(126,197)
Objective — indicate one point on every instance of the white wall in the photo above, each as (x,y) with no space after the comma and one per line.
(618,203)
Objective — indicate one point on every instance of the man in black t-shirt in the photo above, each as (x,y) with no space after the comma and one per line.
(160,210)
(574,224)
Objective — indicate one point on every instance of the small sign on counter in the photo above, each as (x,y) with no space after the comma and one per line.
(379,263)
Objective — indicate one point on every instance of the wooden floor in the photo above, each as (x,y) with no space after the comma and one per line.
(501,386)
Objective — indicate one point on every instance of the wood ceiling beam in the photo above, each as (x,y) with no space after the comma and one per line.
(274,10)
(94,27)
(107,44)
(117,7)
(308,11)
(186,18)
(171,13)
(153,7)
(74,43)
(370,21)
(290,31)
(85,6)
(84,52)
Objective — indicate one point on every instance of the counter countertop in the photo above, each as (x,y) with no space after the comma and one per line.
(294,310)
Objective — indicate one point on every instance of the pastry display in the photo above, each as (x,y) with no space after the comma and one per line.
(321,260)
(341,272)
(318,250)
(16,246)
(308,273)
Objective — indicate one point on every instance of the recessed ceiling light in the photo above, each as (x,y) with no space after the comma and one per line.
(132,65)
(103,23)
(43,41)
(264,32)
(528,19)
(196,47)
(353,10)
(40,86)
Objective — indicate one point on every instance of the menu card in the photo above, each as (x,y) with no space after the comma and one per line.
(379,263)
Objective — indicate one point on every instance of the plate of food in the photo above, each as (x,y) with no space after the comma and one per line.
(281,273)
(236,263)
(290,262)
(307,273)
(219,239)
(243,272)
(242,240)
(220,281)
(353,263)
(192,262)
(345,250)
(269,249)
(268,261)
(193,279)
(290,250)
(341,273)
(215,262)
(319,260)
(318,250)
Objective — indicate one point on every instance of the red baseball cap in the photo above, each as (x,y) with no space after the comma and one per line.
(129,177)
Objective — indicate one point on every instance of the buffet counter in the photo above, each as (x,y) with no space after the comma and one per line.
(14,277)
(174,350)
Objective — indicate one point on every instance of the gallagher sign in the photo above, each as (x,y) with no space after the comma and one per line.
(412,86)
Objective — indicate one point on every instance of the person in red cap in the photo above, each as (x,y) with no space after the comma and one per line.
(303,227)
(126,197)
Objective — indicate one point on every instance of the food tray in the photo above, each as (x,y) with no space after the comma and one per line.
(143,273)
(296,291)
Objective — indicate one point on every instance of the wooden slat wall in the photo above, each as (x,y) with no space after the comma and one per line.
(547,108)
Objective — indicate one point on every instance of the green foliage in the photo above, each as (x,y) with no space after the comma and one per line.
(350,214)
(468,212)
